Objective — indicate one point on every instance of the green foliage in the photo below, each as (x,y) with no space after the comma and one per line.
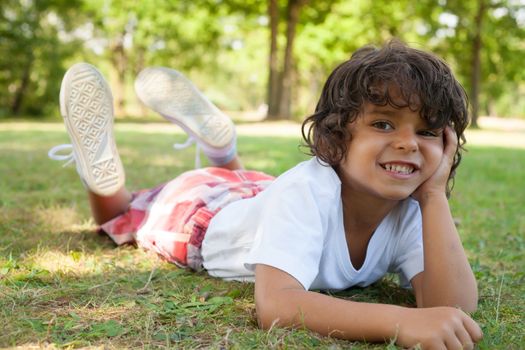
(450,30)
(32,53)
(223,45)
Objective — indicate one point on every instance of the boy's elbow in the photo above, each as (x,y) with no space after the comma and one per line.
(270,313)
(266,320)
(267,317)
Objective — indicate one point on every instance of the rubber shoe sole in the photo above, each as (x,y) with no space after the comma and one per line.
(172,95)
(86,104)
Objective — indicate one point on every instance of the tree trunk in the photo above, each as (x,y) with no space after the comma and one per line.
(475,77)
(119,61)
(293,10)
(273,63)
(16,106)
(138,67)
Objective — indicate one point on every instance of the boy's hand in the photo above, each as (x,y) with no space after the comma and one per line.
(438,328)
(437,183)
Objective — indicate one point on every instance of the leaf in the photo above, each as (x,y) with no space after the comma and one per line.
(74,316)
(109,328)
(220,300)
(37,325)
(76,255)
(235,293)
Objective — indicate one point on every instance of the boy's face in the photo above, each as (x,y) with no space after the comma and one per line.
(392,151)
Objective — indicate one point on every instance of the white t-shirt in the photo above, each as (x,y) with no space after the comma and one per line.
(296,225)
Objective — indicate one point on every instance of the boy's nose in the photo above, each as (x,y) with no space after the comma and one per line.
(406,141)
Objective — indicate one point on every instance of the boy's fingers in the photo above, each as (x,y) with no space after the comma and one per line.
(451,141)
(453,343)
(473,329)
(451,137)
(465,339)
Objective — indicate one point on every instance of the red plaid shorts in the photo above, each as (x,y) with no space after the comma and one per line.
(172,218)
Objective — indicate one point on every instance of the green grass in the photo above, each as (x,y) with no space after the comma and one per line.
(64,285)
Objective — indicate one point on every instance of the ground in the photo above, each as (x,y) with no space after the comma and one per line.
(63,285)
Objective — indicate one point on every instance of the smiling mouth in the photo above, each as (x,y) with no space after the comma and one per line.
(404,169)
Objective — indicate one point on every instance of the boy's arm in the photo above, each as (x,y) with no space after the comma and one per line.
(282,301)
(447,279)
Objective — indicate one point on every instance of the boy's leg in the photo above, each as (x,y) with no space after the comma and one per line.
(105,208)
(86,104)
(234,164)
(173,96)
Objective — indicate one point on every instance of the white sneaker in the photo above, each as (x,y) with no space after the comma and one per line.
(86,104)
(173,96)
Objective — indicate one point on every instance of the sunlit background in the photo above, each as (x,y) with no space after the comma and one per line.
(228,48)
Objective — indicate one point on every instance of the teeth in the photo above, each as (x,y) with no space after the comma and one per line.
(398,168)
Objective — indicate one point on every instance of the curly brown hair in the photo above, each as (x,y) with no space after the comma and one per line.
(424,82)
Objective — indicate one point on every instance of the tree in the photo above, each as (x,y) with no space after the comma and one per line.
(329,36)
(475,75)
(281,75)
(483,40)
(273,63)
(31,63)
(223,45)
(134,34)
(280,81)
(484,50)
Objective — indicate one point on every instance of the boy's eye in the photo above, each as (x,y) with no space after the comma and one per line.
(430,133)
(382,125)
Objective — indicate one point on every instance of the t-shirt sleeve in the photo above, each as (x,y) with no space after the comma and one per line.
(408,260)
(290,235)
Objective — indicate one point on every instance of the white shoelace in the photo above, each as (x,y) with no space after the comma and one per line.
(190,141)
(69,158)
(53,153)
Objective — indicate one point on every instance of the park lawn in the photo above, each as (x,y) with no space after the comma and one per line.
(64,285)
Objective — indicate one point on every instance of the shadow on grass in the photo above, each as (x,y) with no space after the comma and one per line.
(385,291)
